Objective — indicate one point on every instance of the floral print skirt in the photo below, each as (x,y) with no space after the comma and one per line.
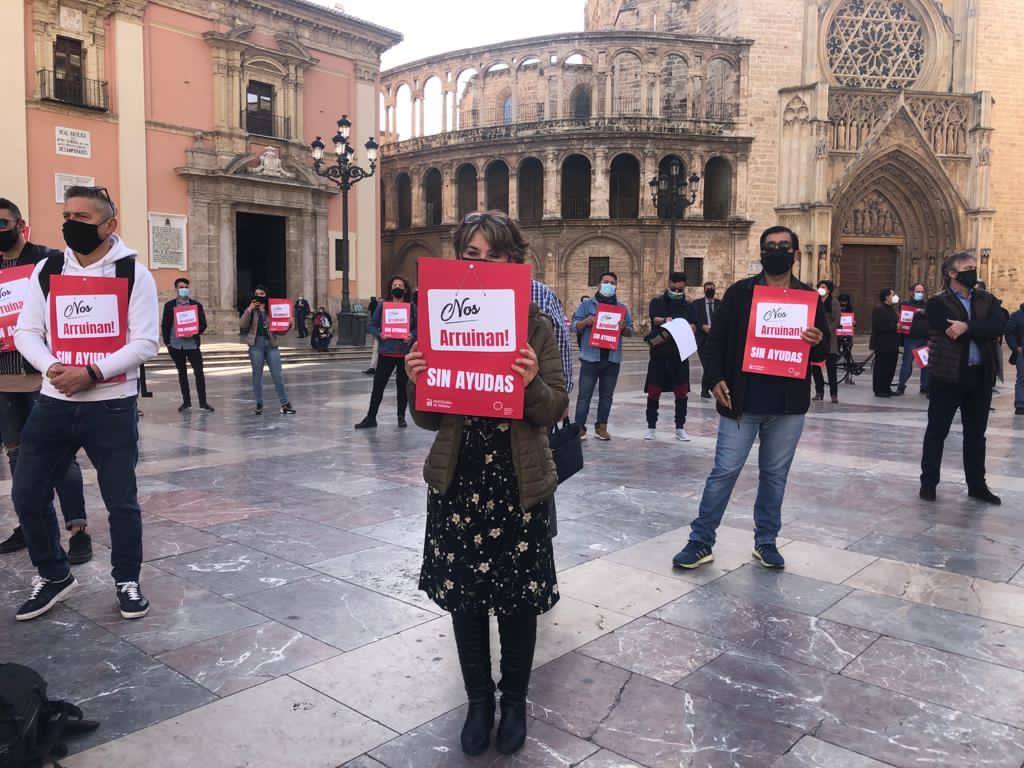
(483,552)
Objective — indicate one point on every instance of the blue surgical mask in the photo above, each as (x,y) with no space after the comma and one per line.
(607,289)
(918,296)
(183,293)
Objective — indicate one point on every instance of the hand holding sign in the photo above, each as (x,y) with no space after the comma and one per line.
(527,366)
(415,363)
(780,331)
(812,336)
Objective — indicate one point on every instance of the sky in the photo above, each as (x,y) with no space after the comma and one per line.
(439,26)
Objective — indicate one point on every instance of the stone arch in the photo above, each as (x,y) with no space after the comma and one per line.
(531,190)
(717,189)
(577,172)
(624,186)
(433,204)
(496,177)
(573,265)
(675,86)
(581,102)
(403,197)
(721,87)
(405,262)
(466,189)
(664,199)
(627,83)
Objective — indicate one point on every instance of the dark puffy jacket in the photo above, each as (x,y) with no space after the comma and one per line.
(884,336)
(167,321)
(948,358)
(728,340)
(919,328)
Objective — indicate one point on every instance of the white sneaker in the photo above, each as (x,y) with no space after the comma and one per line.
(650,434)
(682,436)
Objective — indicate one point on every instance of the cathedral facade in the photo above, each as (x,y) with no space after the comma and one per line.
(886,133)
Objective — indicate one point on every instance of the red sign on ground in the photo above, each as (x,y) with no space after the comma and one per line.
(395,320)
(88,319)
(607,332)
(186,321)
(280,315)
(472,322)
(13,284)
(777,318)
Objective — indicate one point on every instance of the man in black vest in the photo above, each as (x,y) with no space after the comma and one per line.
(702,315)
(964,323)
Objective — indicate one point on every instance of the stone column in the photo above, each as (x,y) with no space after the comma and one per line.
(696,211)
(552,186)
(649,170)
(14,169)
(222,217)
(422,110)
(481,185)
(133,173)
(390,202)
(450,207)
(599,186)
(419,214)
(513,193)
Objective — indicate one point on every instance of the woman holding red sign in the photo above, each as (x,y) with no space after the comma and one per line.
(393,342)
(488,544)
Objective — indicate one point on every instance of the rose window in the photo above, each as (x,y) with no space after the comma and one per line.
(875,44)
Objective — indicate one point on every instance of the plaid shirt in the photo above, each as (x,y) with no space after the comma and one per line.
(549,304)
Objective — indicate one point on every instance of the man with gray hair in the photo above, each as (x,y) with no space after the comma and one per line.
(963,325)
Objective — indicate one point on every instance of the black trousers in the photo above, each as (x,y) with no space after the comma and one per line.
(705,380)
(195,359)
(973,398)
(833,379)
(381,376)
(884,369)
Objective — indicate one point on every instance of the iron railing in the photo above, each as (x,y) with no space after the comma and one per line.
(77,91)
(264,123)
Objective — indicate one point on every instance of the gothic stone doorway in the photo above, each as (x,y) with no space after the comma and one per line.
(865,270)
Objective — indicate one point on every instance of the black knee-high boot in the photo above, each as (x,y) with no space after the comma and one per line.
(518,639)
(472,638)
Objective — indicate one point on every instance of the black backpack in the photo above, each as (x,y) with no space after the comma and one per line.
(123,267)
(33,727)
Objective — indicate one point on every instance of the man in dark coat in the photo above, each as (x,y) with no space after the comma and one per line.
(302,310)
(885,342)
(964,323)
(702,317)
(1015,340)
(184,348)
(667,373)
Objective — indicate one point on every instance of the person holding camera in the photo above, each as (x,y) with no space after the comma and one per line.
(263,349)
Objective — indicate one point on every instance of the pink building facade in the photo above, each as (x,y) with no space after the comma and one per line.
(197,116)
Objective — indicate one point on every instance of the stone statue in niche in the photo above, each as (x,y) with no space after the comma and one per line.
(873,216)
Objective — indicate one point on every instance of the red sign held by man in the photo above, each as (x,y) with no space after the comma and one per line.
(607,329)
(88,319)
(778,317)
(472,323)
(847,321)
(280,315)
(13,283)
(395,320)
(905,319)
(186,321)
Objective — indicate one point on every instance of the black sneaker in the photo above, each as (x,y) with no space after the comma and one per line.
(184,407)
(80,548)
(367,423)
(693,555)
(258,410)
(45,594)
(984,494)
(927,493)
(768,555)
(1018,412)
(206,407)
(14,542)
(402,423)
(287,409)
(132,603)
(369,371)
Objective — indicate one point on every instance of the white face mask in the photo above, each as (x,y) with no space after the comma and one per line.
(823,291)
(895,299)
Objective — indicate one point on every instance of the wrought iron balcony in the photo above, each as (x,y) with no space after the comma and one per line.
(264,123)
(77,91)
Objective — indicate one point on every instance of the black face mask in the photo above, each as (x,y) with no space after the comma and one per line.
(398,292)
(968,278)
(8,239)
(777,262)
(81,237)
(261,299)
(710,293)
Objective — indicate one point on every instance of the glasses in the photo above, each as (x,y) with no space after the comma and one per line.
(778,247)
(478,216)
(101,192)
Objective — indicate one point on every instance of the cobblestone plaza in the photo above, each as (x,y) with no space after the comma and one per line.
(282,556)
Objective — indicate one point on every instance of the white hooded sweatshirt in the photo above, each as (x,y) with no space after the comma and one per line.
(32,336)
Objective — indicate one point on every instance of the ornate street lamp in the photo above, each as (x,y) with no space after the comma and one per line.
(676,193)
(345,173)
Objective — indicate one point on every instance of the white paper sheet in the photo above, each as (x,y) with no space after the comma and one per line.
(683,335)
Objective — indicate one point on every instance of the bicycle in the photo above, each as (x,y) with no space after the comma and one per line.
(849,366)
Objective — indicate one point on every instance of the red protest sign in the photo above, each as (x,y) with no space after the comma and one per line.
(395,320)
(13,284)
(777,318)
(847,321)
(905,319)
(186,321)
(280,315)
(88,319)
(606,331)
(471,324)
(921,357)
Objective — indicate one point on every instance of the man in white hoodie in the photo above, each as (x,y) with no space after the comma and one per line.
(89,393)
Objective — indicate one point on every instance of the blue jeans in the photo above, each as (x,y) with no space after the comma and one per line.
(1018,392)
(907,366)
(55,430)
(261,352)
(14,410)
(603,375)
(779,437)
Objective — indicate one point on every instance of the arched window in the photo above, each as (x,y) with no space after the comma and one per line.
(721,89)
(496,184)
(576,187)
(506,111)
(627,84)
(675,77)
(531,191)
(580,103)
(403,112)
(403,191)
(433,104)
(432,197)
(717,189)
(624,188)
(465,181)
(664,198)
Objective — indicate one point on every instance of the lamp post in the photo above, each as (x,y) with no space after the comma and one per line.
(678,193)
(345,173)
